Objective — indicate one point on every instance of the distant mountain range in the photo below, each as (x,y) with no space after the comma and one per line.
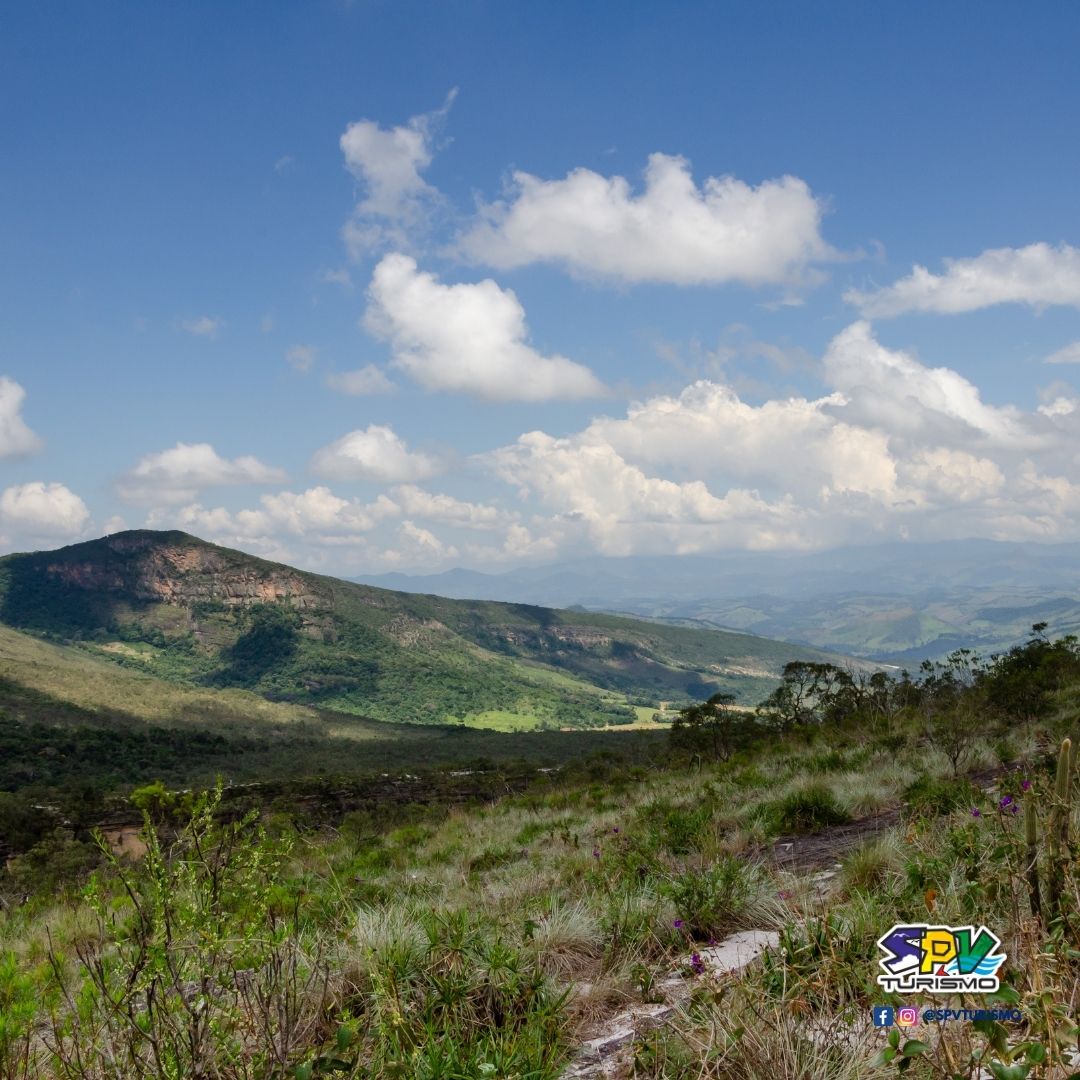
(896,603)
(177,608)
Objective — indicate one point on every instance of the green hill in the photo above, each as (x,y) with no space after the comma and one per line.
(175,607)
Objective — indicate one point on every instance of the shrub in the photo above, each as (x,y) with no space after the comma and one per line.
(719,898)
(931,796)
(806,810)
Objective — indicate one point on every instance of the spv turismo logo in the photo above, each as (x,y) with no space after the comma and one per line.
(940,959)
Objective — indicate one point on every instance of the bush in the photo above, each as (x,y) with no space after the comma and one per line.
(931,796)
(809,809)
(718,898)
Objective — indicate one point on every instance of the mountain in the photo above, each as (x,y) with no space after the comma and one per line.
(894,603)
(175,607)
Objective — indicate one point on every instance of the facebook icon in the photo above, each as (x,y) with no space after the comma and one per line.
(884,1015)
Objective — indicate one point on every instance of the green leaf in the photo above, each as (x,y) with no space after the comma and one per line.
(344,1038)
(1008,1072)
(884,1056)
(1036,1053)
(1004,995)
(915,1047)
(894,1038)
(303,1071)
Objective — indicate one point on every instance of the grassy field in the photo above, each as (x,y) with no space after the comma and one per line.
(490,941)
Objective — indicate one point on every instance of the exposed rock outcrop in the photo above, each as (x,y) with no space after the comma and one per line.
(176,569)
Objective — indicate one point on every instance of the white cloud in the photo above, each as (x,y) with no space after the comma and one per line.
(16,439)
(468,338)
(40,509)
(425,543)
(284,163)
(622,509)
(388,162)
(417,503)
(672,231)
(366,380)
(1038,275)
(176,475)
(204,326)
(952,476)
(319,509)
(895,448)
(314,513)
(1070,354)
(375,453)
(785,445)
(301,357)
(890,389)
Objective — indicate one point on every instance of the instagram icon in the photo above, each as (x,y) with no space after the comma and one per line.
(906,1016)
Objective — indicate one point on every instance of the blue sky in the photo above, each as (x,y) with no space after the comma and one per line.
(394,285)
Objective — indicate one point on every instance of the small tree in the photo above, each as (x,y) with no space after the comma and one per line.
(952,705)
(714,727)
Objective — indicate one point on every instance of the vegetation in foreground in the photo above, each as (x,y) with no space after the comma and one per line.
(487,941)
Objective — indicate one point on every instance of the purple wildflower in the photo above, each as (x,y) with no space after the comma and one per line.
(976,812)
(697,965)
(1026,785)
(1014,809)
(616,830)
(596,853)
(1006,802)
(678,924)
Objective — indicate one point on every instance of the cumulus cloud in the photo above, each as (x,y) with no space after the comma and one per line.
(891,389)
(1069,354)
(315,513)
(375,453)
(388,163)
(469,338)
(673,231)
(1038,275)
(203,326)
(16,439)
(363,381)
(895,447)
(40,509)
(301,357)
(178,474)
(424,545)
(623,509)
(418,503)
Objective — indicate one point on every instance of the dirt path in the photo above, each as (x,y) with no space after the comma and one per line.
(815,851)
(818,850)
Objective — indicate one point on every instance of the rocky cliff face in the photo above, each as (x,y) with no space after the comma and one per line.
(176,569)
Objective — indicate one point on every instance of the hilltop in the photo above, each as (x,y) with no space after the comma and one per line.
(179,608)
